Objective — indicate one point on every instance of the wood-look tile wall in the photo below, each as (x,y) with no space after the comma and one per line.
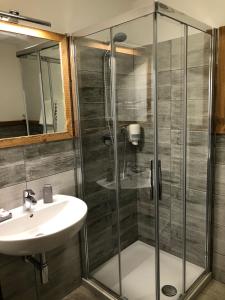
(32,167)
(134,104)
(98,161)
(170,130)
(219,210)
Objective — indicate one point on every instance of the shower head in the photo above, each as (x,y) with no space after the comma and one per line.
(119,37)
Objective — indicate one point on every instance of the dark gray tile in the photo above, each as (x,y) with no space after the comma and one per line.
(12,196)
(164,58)
(11,175)
(197,83)
(219,239)
(197,114)
(219,209)
(124,63)
(48,159)
(90,79)
(62,183)
(177,57)
(17,279)
(219,187)
(12,167)
(220,140)
(92,110)
(219,267)
(91,94)
(64,271)
(220,155)
(90,59)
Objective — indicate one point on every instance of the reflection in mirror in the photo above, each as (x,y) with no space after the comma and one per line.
(31,87)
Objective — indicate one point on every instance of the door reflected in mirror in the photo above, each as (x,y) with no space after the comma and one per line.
(31,86)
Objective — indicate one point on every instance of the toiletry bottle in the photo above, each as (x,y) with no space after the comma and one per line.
(47,193)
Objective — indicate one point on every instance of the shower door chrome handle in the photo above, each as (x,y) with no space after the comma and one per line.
(151,174)
(159,180)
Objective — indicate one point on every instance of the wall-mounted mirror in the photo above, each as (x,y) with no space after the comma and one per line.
(35,102)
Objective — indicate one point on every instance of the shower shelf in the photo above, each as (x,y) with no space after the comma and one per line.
(131,181)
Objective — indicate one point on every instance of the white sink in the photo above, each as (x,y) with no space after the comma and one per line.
(46,227)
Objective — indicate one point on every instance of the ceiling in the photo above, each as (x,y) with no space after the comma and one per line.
(211,12)
(68,16)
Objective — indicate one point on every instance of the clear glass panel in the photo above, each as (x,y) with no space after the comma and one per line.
(53,89)
(48,99)
(93,54)
(197,151)
(127,138)
(32,91)
(133,56)
(170,86)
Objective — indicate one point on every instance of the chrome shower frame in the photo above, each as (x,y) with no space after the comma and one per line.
(155,9)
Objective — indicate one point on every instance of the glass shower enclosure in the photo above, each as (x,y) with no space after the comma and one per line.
(143,123)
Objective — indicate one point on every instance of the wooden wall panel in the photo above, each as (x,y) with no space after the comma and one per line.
(219,116)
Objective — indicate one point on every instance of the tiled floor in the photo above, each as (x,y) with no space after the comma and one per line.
(84,293)
(214,291)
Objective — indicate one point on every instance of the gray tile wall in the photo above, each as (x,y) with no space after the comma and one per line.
(170,108)
(98,158)
(219,210)
(32,167)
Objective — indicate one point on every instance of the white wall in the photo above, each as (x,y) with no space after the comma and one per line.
(11,92)
(68,15)
(211,12)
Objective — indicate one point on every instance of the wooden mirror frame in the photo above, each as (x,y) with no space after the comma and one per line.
(219,111)
(64,54)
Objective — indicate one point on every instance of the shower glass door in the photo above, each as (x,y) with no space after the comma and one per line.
(144,103)
(171,145)
(183,112)
(198,147)
(134,86)
(93,54)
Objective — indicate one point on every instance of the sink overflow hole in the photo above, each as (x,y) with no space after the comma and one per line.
(169,290)
(31,216)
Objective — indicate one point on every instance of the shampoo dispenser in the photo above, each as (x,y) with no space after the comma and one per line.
(134,133)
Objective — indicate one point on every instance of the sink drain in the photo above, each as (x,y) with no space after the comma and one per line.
(39,234)
(169,290)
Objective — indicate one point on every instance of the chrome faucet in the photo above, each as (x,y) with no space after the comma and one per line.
(28,199)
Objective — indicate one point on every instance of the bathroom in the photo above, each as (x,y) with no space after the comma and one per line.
(112,150)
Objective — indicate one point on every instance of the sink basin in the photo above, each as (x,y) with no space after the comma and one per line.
(46,227)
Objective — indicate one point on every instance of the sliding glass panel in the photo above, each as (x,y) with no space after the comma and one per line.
(94,66)
(198,56)
(52,89)
(48,99)
(32,92)
(170,86)
(132,42)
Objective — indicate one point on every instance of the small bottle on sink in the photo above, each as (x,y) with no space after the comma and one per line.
(47,193)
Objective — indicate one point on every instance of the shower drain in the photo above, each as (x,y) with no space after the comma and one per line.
(169,290)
